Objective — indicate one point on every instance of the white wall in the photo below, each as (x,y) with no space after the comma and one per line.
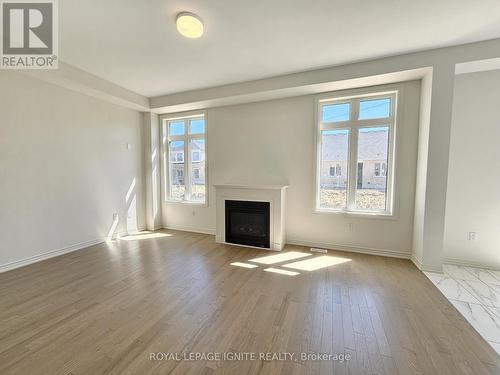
(272,142)
(473,199)
(64,168)
(152,170)
(422,162)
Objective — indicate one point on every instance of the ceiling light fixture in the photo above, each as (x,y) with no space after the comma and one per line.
(189,25)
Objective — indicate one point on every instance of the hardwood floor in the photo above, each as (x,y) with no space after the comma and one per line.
(104,309)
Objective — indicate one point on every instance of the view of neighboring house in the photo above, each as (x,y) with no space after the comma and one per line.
(372,159)
(197,162)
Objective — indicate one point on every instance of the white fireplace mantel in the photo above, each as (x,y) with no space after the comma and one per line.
(274,194)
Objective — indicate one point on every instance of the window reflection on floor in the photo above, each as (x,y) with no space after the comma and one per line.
(281,261)
(317,263)
(244,265)
(282,272)
(283,257)
(145,235)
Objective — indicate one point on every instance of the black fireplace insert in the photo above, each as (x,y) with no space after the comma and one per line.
(248,223)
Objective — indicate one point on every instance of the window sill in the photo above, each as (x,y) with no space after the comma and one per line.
(188,203)
(360,214)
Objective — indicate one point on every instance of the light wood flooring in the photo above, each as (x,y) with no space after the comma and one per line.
(104,309)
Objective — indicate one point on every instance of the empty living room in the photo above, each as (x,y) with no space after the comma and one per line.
(249,187)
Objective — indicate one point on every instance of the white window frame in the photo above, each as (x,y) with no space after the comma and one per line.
(353,125)
(187,138)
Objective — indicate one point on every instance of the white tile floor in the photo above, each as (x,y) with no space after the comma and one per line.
(475,292)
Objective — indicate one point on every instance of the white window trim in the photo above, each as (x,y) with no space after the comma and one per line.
(393,91)
(187,138)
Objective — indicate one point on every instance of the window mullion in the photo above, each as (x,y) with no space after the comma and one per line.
(168,168)
(187,163)
(353,156)
(172,138)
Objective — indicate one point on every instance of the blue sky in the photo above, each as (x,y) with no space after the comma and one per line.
(368,109)
(177,127)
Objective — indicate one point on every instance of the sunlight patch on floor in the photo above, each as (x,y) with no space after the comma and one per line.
(146,235)
(316,263)
(271,259)
(282,272)
(244,265)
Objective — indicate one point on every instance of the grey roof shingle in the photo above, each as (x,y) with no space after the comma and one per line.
(372,145)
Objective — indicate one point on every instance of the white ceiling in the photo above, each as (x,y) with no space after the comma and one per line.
(134,43)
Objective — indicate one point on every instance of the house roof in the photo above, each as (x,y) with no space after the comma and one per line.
(176,146)
(372,145)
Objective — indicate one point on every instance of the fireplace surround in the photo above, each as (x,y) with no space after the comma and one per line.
(272,196)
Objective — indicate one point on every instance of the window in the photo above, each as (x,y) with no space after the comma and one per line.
(177,157)
(336,171)
(196,173)
(186,161)
(380,169)
(356,134)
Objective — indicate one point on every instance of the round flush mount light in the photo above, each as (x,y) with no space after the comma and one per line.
(189,25)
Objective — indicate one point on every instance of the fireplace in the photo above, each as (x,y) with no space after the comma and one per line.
(248,223)
(271,196)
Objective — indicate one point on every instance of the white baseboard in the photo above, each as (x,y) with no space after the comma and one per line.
(185,228)
(352,249)
(425,267)
(471,263)
(54,253)
(416,262)
(48,255)
(156,227)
